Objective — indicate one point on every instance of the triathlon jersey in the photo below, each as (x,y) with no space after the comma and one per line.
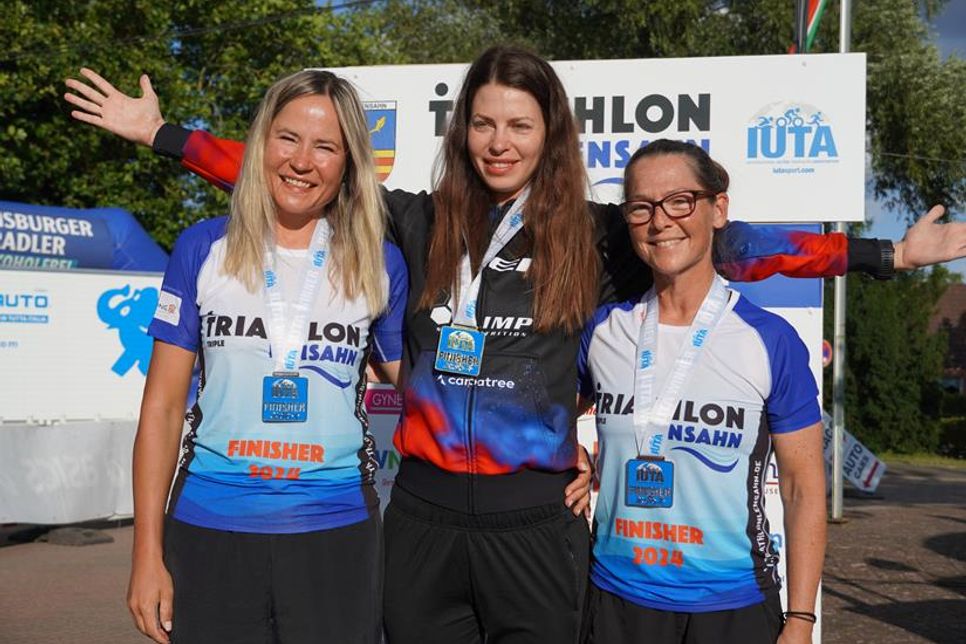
(237,472)
(507,439)
(711,549)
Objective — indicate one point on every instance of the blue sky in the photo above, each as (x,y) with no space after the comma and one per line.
(949,34)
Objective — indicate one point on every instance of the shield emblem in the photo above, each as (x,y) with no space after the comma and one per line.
(381,117)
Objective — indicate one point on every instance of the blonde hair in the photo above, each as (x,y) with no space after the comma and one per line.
(357,214)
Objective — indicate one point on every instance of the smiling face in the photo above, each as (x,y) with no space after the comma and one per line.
(505,138)
(305,158)
(673,247)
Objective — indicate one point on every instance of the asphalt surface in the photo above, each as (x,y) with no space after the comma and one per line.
(895,572)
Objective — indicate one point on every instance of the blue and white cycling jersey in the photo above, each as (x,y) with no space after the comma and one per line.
(711,550)
(237,472)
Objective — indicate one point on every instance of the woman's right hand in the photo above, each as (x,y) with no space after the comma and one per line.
(101,104)
(150,595)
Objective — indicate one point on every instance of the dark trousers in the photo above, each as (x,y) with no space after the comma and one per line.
(247,588)
(503,578)
(609,619)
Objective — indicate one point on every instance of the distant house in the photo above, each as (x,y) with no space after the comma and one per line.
(951,317)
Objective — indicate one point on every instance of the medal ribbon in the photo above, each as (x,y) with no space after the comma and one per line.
(652,416)
(465,313)
(287,339)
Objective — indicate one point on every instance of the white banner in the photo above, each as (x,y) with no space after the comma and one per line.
(73,345)
(789,129)
(66,473)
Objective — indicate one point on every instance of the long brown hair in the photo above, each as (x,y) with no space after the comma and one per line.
(557,225)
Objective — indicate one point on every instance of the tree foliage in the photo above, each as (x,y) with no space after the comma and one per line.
(209,61)
(893,364)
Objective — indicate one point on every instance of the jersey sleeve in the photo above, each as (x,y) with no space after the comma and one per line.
(387,329)
(177,320)
(746,253)
(792,403)
(215,160)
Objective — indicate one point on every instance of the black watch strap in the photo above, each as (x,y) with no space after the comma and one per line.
(887,260)
(875,257)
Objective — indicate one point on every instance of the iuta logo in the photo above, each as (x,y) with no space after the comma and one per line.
(793,132)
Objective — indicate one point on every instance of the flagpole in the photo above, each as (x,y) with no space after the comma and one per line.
(838,356)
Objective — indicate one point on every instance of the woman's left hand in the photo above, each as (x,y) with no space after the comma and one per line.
(928,242)
(577,494)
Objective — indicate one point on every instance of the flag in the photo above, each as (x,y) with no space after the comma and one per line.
(813,16)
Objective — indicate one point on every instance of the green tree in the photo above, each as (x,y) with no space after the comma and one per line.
(893,364)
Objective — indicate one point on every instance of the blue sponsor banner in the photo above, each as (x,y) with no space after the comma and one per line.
(784,292)
(50,237)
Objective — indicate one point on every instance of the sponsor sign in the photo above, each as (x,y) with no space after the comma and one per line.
(860,466)
(75,342)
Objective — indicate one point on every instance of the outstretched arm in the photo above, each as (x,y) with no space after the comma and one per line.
(139,120)
(747,253)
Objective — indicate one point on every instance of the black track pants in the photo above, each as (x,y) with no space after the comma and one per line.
(510,577)
(610,619)
(246,588)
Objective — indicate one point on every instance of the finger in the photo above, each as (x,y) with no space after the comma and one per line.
(165,611)
(99,81)
(85,89)
(935,214)
(85,105)
(93,119)
(149,615)
(582,506)
(136,614)
(571,500)
(146,88)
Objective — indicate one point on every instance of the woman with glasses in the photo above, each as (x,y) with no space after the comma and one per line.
(712,385)
(505,255)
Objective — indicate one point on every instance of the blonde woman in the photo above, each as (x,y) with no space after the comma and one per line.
(272,531)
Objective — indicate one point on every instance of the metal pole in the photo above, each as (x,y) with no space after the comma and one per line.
(838,357)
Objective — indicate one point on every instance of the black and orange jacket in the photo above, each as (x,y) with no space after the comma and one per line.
(506,439)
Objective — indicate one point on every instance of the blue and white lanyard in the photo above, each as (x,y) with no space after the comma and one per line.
(286,340)
(652,415)
(469,287)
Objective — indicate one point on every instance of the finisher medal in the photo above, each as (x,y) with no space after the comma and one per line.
(285,398)
(460,350)
(649,483)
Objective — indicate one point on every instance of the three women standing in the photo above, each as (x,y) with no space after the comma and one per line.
(479,543)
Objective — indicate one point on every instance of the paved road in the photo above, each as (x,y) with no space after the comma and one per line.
(896,572)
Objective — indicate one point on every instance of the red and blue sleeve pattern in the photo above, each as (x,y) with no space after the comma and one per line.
(215,160)
(746,253)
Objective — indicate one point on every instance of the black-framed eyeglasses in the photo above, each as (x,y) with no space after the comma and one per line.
(677,205)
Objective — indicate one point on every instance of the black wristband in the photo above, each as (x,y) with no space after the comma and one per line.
(169,141)
(875,257)
(808,617)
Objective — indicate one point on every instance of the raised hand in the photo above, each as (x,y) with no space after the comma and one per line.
(929,242)
(102,105)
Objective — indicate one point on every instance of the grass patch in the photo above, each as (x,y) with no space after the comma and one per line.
(923,459)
